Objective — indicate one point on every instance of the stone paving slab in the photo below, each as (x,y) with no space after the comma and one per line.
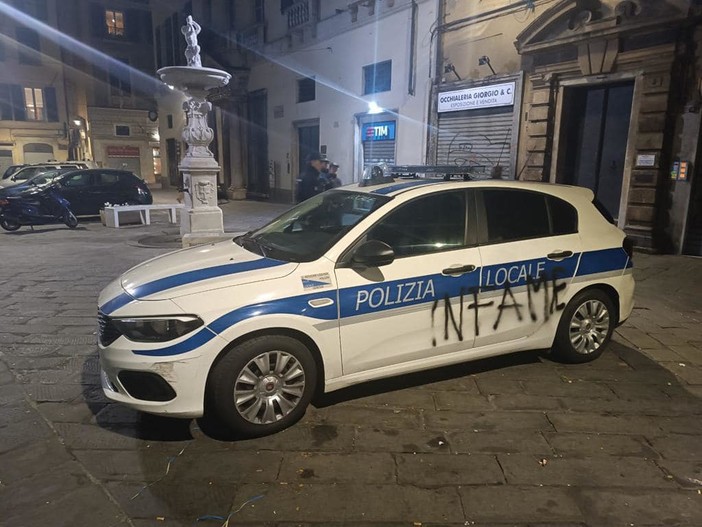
(349,502)
(505,503)
(593,471)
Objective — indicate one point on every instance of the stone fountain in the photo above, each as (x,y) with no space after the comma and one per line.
(201,221)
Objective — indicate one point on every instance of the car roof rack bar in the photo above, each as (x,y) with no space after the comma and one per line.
(445,172)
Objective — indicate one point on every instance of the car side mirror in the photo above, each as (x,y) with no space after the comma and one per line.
(373,253)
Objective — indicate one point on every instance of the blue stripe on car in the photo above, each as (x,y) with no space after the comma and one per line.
(550,269)
(445,287)
(297,305)
(602,261)
(113,305)
(188,277)
(196,340)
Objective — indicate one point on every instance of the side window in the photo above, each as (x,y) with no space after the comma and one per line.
(108,179)
(430,224)
(515,215)
(564,217)
(77,180)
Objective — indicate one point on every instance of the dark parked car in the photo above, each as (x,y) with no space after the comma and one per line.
(88,190)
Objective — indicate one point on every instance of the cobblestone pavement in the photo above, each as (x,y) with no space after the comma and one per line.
(519,440)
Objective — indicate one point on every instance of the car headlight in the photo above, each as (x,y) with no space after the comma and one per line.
(156,329)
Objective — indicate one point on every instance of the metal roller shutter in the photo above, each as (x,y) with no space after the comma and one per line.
(479,139)
(375,152)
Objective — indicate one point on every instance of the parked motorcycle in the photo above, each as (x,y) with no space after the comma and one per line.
(39,206)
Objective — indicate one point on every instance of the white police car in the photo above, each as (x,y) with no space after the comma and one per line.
(359,283)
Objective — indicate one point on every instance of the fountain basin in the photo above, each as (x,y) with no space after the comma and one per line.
(193,80)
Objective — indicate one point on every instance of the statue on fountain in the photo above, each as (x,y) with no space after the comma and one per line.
(192,52)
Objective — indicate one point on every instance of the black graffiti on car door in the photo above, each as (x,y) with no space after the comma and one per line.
(453,316)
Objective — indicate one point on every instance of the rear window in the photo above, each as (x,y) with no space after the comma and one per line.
(515,215)
(603,210)
(522,215)
(564,217)
(128,179)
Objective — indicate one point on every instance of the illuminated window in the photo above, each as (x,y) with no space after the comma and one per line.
(34,104)
(114,20)
(156,152)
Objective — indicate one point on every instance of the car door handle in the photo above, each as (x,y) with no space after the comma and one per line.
(559,255)
(321,302)
(462,269)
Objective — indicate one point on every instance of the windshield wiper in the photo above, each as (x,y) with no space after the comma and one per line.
(248,243)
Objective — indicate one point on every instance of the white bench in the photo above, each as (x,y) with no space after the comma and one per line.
(112,212)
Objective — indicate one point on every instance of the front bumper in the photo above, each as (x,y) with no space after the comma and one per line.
(173,385)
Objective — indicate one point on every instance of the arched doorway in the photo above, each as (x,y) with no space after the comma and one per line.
(38,153)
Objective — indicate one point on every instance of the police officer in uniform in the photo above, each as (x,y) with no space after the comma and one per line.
(308,183)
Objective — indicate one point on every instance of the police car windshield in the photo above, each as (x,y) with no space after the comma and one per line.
(307,231)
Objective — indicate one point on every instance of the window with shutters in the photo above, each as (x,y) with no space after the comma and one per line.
(18,103)
(259,13)
(34,104)
(29,50)
(120,83)
(306,89)
(114,22)
(377,77)
(34,8)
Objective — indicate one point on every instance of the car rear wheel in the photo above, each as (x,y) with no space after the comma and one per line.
(586,327)
(9,225)
(263,385)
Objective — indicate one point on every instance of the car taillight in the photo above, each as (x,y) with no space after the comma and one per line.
(628,246)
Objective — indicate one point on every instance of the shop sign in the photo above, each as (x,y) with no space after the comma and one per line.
(481,97)
(384,131)
(123,151)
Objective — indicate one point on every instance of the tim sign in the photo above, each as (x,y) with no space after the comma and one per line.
(474,98)
(384,131)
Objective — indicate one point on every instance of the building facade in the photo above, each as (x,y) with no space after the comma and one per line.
(349,79)
(607,97)
(110,72)
(79,84)
(33,119)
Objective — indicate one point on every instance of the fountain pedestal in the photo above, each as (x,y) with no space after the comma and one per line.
(201,220)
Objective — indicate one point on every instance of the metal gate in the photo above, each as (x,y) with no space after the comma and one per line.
(479,139)
(378,137)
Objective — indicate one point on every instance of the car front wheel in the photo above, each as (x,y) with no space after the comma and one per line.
(263,385)
(586,327)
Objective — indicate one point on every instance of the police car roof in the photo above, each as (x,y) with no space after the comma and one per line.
(400,186)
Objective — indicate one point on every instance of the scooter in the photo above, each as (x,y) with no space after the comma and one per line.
(36,207)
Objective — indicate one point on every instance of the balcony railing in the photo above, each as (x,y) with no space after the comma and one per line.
(302,13)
